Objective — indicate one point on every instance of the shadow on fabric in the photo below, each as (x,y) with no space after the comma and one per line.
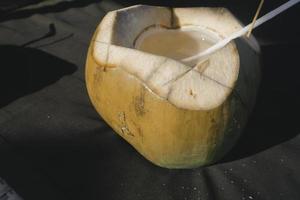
(26,70)
(58,7)
(274,119)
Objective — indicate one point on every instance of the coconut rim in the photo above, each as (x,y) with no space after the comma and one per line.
(215,33)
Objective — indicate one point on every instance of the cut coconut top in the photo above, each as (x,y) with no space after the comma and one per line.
(149,42)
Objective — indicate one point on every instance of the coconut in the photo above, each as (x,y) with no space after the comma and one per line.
(176,114)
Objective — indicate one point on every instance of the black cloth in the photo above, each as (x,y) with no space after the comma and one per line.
(53,144)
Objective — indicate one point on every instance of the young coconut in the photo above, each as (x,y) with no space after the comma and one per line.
(177,115)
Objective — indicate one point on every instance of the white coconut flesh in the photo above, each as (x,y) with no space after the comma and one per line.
(145,49)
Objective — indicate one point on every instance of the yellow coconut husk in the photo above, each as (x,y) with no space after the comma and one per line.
(167,131)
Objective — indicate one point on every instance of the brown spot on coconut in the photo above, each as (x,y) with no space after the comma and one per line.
(139,103)
(180,117)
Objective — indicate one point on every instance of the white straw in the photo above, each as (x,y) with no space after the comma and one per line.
(241,32)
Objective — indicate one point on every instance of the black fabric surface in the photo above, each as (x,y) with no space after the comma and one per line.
(53,144)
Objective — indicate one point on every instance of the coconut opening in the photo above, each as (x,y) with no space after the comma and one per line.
(154,54)
(178,43)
